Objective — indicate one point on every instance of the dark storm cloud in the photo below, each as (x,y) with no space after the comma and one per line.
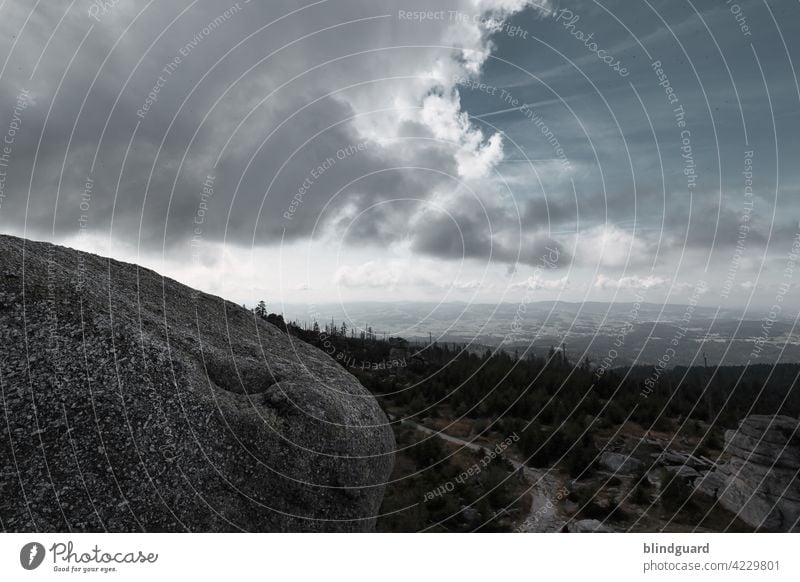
(155,122)
(467,234)
(273,144)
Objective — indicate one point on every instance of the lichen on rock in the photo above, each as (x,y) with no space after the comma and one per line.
(131,402)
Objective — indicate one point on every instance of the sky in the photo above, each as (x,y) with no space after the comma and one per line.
(463,150)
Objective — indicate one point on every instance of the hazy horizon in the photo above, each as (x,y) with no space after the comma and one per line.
(486,154)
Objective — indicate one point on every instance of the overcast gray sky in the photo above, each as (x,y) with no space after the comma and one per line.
(470,150)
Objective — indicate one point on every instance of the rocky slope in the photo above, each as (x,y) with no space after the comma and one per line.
(129,402)
(761,480)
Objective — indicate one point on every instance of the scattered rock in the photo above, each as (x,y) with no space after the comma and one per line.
(471,514)
(588,526)
(760,482)
(655,478)
(673,458)
(682,472)
(620,463)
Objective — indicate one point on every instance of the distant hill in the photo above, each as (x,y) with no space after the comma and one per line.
(591,330)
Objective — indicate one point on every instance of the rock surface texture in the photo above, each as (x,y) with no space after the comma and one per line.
(130,402)
(761,480)
(588,526)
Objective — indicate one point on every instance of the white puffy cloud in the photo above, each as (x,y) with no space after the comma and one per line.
(369,274)
(396,274)
(538,283)
(470,285)
(633,282)
(608,245)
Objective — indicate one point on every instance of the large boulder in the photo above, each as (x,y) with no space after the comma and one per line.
(620,463)
(682,472)
(131,402)
(761,480)
(588,526)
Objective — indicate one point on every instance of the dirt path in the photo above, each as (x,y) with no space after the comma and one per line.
(547,490)
(547,495)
